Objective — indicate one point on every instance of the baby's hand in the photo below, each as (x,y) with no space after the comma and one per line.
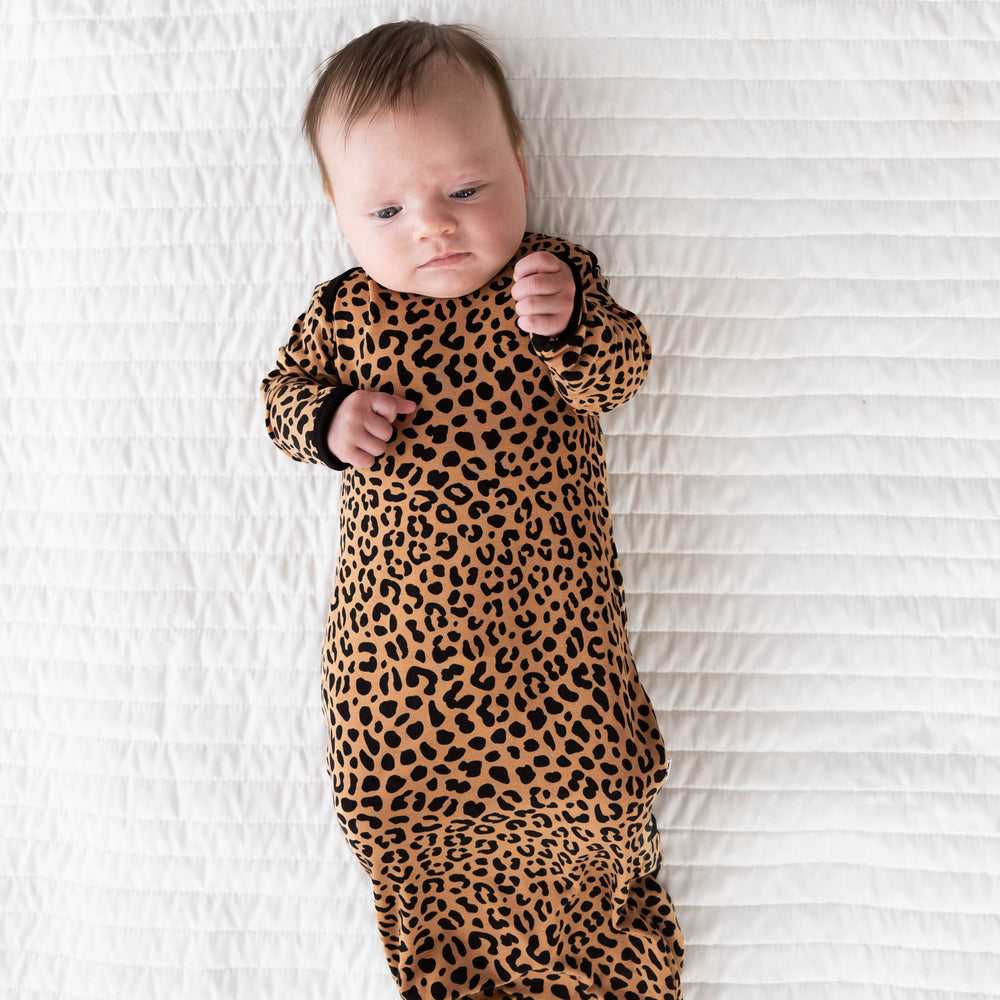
(363,424)
(543,291)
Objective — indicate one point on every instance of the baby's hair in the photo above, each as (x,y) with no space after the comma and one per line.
(386,68)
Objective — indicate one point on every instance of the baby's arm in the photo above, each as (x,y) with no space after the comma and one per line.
(311,414)
(597,352)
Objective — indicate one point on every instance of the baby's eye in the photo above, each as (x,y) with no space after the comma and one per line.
(386,213)
(465,193)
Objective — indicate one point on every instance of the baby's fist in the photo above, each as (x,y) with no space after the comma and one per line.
(363,424)
(543,291)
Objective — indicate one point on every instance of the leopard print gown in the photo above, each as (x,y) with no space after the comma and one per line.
(492,752)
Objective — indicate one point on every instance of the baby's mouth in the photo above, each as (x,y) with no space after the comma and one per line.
(446,260)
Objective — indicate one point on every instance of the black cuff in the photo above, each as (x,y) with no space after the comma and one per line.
(568,335)
(321,428)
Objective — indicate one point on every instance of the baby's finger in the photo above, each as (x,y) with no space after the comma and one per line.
(359,457)
(535,263)
(530,316)
(386,405)
(542,324)
(404,405)
(541,283)
(378,429)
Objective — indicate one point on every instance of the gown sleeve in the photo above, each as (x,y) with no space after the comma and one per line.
(602,357)
(303,391)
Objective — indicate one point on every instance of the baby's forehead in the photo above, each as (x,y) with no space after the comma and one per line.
(343,114)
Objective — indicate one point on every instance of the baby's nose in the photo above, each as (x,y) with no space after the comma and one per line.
(435,220)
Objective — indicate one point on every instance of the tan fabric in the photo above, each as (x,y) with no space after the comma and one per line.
(493,754)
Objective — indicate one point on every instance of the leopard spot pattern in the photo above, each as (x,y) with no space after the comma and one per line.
(493,755)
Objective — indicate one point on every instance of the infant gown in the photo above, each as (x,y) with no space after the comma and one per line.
(492,752)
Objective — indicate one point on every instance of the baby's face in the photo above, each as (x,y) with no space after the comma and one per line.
(431,199)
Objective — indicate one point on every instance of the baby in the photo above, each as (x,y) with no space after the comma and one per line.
(492,753)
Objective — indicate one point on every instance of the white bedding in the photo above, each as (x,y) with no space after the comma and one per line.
(803,201)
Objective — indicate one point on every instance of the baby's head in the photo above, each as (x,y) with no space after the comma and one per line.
(422,155)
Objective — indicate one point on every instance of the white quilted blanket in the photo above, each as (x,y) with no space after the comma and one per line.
(802,199)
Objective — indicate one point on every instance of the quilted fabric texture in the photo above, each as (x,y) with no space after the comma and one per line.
(800,198)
